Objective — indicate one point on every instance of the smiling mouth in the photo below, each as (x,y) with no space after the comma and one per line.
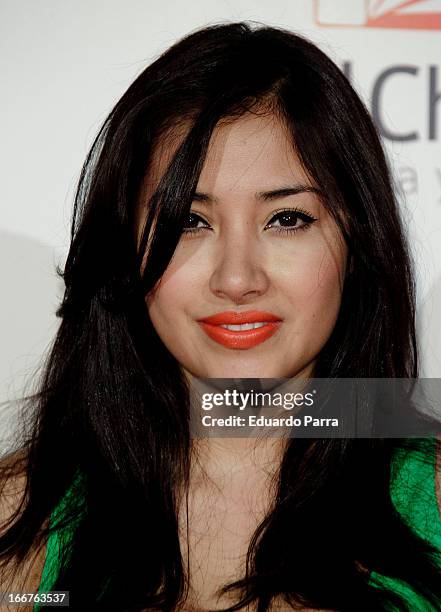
(243,336)
(243,326)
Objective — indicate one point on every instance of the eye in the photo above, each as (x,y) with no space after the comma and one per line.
(194,220)
(289,220)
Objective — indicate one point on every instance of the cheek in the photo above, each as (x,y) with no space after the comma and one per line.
(172,297)
(312,283)
(171,307)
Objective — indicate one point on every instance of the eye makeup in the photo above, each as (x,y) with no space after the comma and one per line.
(297,213)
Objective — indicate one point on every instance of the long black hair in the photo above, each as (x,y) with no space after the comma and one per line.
(111,415)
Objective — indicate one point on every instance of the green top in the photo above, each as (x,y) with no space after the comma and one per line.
(413,492)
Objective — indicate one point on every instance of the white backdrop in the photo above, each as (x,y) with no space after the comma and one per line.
(65,63)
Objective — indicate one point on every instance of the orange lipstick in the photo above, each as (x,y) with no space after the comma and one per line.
(240,339)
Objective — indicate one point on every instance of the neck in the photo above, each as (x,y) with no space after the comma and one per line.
(226,460)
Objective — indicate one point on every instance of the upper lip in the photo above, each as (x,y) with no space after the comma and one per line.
(238,318)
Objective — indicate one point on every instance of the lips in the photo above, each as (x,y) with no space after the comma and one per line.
(238,318)
(243,339)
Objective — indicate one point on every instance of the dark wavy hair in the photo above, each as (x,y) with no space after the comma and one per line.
(111,413)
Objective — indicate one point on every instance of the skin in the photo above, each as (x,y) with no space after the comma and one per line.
(238,262)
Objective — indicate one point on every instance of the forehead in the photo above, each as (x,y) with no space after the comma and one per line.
(251,153)
(244,153)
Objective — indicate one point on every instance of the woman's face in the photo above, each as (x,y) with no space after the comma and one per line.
(273,257)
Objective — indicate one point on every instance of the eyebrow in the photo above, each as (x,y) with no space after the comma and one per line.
(264,196)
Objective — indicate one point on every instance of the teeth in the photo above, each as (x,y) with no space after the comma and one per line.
(243,327)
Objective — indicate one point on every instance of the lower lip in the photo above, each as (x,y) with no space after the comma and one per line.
(240,339)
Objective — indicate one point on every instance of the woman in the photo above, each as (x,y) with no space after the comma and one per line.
(239,173)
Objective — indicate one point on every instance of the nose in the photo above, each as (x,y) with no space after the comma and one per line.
(238,275)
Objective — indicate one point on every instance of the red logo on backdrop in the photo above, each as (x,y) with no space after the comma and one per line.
(405,14)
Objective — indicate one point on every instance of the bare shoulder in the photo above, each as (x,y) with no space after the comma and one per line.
(12,491)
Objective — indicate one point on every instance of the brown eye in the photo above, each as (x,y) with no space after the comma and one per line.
(292,220)
(192,224)
(288,220)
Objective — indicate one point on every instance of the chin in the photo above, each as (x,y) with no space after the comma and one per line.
(232,371)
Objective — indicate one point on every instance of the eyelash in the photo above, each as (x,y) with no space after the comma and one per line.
(307,219)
